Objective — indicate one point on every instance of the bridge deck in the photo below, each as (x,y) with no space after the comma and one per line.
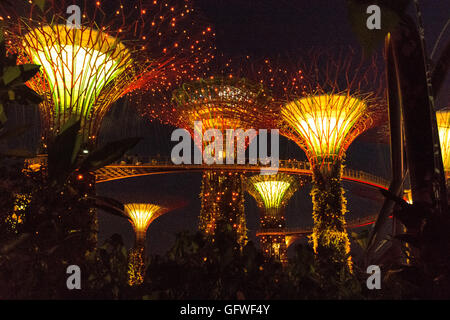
(356,223)
(123,171)
(139,167)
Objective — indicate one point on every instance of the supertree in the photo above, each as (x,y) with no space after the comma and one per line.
(114,49)
(223,102)
(272,193)
(118,47)
(443,120)
(340,98)
(141,216)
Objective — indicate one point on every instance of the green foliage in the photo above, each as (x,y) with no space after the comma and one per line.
(12,81)
(329,237)
(64,156)
(199,269)
(440,70)
(40,4)
(106,270)
(59,223)
(427,273)
(107,154)
(362,238)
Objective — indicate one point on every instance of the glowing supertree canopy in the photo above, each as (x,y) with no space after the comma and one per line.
(221,103)
(117,48)
(141,216)
(338,100)
(325,125)
(272,192)
(86,71)
(443,120)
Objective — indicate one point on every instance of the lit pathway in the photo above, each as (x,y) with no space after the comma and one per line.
(153,166)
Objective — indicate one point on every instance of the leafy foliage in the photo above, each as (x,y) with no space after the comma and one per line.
(12,81)
(58,222)
(330,239)
(427,249)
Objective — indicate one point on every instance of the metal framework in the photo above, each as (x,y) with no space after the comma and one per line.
(142,215)
(330,100)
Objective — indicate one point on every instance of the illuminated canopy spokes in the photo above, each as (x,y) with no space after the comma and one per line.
(80,67)
(325,125)
(142,215)
(443,120)
(272,191)
(221,103)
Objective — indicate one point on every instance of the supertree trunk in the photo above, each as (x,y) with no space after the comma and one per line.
(136,266)
(274,246)
(222,197)
(136,260)
(141,216)
(330,238)
(88,219)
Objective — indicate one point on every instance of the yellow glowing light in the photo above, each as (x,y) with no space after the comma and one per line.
(443,120)
(78,65)
(326,124)
(142,215)
(272,192)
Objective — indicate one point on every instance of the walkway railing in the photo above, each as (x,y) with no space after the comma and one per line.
(134,166)
(355,223)
(163,164)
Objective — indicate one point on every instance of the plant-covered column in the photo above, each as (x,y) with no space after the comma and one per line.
(136,266)
(222,201)
(274,245)
(339,100)
(329,237)
(222,104)
(141,215)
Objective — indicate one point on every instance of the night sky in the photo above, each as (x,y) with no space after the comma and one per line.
(260,28)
